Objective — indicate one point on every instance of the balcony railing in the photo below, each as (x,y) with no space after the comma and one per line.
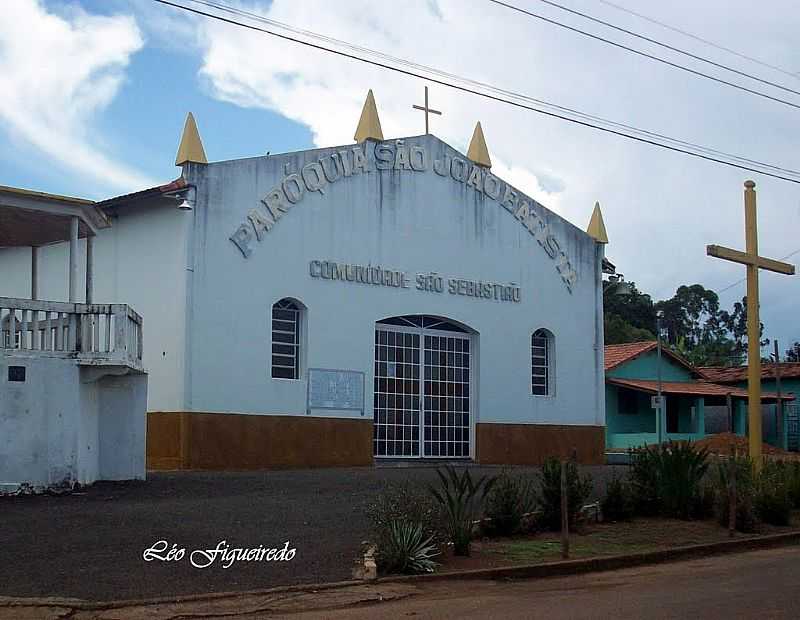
(96,334)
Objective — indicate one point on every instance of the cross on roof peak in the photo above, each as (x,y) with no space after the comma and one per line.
(427,111)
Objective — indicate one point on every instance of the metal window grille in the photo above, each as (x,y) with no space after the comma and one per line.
(285,340)
(447,396)
(422,388)
(541,363)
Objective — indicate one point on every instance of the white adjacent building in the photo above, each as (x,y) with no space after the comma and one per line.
(73,392)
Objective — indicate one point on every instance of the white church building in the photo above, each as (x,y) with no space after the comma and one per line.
(386,299)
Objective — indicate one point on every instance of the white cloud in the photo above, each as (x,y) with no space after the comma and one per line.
(56,73)
(661,208)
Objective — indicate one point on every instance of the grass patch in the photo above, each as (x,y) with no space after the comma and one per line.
(533,551)
(602,539)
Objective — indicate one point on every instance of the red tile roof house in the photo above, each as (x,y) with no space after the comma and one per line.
(632,379)
(789,373)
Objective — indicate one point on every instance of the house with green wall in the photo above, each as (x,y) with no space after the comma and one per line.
(789,375)
(632,379)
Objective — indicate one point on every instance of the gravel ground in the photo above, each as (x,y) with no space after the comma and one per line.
(90,545)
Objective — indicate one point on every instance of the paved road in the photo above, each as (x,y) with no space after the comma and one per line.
(759,584)
(90,546)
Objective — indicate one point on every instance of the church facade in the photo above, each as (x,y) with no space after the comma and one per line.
(388,299)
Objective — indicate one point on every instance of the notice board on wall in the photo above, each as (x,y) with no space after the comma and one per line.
(335,389)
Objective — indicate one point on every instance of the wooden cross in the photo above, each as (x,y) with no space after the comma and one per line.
(427,110)
(754,262)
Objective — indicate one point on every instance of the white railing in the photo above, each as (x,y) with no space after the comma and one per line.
(94,333)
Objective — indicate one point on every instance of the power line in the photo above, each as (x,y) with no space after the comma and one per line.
(644,54)
(442,82)
(670,47)
(484,85)
(792,74)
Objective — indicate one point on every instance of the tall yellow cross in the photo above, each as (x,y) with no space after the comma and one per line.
(754,262)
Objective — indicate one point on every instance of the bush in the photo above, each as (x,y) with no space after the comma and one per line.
(773,500)
(794,484)
(403,503)
(644,477)
(407,550)
(460,499)
(579,488)
(703,503)
(746,519)
(667,479)
(617,505)
(509,499)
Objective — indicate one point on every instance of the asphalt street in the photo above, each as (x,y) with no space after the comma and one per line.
(758,584)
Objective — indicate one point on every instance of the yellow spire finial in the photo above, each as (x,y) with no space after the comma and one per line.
(191,147)
(477,151)
(597,228)
(369,125)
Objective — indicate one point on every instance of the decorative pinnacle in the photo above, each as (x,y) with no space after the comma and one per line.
(477,151)
(369,125)
(191,147)
(597,228)
(750,184)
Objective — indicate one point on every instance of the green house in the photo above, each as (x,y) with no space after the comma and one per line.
(632,371)
(789,373)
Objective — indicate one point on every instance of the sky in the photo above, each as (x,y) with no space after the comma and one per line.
(94,93)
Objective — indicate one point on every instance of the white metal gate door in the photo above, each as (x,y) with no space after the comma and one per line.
(446,417)
(422,384)
(396,401)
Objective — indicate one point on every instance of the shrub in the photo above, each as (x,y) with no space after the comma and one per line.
(407,550)
(667,478)
(746,519)
(773,500)
(703,502)
(617,505)
(579,488)
(404,502)
(460,498)
(644,476)
(509,498)
(794,484)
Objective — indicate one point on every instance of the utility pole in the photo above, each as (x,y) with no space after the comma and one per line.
(660,408)
(779,405)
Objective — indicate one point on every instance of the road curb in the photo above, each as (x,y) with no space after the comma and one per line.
(609,562)
(525,571)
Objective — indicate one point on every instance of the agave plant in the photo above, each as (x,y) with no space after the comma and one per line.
(461,499)
(407,550)
(666,478)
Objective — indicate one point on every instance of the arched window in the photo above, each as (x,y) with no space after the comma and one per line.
(286,316)
(542,375)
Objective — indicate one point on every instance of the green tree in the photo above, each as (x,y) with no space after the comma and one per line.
(694,323)
(793,353)
(618,331)
(630,304)
(692,315)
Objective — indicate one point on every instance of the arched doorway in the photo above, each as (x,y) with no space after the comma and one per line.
(422,394)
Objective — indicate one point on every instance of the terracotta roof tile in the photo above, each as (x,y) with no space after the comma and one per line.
(616,354)
(158,190)
(735,374)
(691,388)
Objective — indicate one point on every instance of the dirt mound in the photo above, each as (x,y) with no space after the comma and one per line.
(721,444)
